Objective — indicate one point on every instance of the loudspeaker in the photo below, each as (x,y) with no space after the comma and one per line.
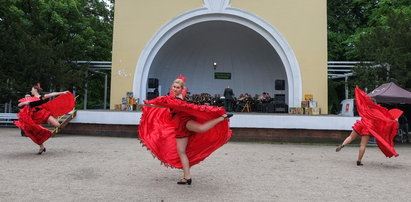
(279,84)
(279,102)
(152,83)
(151,95)
(279,98)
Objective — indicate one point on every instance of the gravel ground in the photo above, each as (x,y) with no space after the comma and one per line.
(89,168)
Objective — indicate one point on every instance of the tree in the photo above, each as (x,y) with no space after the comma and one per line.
(335,87)
(42,38)
(376,31)
(344,18)
(387,43)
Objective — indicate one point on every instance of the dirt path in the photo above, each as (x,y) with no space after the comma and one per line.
(81,168)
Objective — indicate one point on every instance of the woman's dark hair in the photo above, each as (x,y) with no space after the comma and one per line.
(39,90)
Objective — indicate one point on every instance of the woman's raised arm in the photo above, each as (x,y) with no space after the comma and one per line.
(54,94)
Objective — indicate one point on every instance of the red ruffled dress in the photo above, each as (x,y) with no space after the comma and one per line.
(30,118)
(377,121)
(159,128)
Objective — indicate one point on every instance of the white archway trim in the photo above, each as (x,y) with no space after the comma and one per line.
(216,5)
(216,10)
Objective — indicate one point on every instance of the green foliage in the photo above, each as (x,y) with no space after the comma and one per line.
(335,95)
(378,31)
(368,77)
(387,43)
(41,38)
(344,18)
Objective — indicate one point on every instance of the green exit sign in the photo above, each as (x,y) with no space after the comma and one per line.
(222,75)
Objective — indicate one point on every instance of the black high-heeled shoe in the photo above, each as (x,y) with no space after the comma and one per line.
(359,163)
(41,151)
(228,115)
(185,181)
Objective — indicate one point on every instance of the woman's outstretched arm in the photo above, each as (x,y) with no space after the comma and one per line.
(23,104)
(152,105)
(54,94)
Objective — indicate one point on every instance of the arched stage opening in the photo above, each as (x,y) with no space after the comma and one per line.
(249,51)
(239,52)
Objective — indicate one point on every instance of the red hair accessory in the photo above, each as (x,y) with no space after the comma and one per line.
(38,85)
(182,78)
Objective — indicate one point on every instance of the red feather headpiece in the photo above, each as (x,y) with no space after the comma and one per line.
(38,85)
(182,78)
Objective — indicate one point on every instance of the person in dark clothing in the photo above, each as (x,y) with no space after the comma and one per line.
(403,126)
(229,99)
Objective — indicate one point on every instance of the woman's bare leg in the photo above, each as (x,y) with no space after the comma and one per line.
(53,121)
(203,127)
(350,138)
(347,140)
(181,150)
(363,145)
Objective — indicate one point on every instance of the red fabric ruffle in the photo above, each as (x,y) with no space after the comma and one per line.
(39,115)
(31,128)
(158,130)
(378,121)
(395,113)
(180,120)
(61,105)
(360,128)
(31,118)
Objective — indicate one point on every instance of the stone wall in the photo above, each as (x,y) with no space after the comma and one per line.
(239,134)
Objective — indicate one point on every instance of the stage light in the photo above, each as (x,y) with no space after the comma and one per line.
(215,65)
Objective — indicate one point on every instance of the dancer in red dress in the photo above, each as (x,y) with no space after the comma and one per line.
(182,134)
(36,110)
(376,121)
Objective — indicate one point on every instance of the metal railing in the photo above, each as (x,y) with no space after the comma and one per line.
(344,69)
(97,67)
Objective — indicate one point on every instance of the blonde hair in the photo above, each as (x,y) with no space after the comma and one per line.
(179,81)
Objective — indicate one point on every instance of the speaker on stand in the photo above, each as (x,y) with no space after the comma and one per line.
(152,83)
(152,91)
(279,103)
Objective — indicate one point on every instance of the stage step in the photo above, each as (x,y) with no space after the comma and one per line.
(64,120)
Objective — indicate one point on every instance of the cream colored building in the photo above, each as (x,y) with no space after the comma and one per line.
(253,43)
